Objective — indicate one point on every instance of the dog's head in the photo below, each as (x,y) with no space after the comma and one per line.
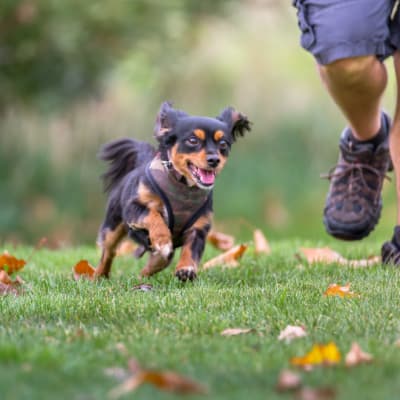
(198,147)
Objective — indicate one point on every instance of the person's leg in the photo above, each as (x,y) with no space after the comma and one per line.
(356,85)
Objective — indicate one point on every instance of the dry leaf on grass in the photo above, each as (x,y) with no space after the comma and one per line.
(228,259)
(336,290)
(288,381)
(356,356)
(9,286)
(236,331)
(320,354)
(292,332)
(126,247)
(261,245)
(167,381)
(10,264)
(322,393)
(143,287)
(83,269)
(220,240)
(326,255)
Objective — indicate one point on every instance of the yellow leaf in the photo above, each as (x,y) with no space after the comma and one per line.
(320,354)
(337,290)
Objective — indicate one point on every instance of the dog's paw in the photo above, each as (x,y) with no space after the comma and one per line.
(186,273)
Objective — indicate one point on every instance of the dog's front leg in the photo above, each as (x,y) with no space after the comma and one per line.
(193,248)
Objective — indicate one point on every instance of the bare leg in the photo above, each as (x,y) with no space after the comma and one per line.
(395,135)
(356,85)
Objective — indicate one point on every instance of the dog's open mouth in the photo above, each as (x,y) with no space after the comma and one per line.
(203,177)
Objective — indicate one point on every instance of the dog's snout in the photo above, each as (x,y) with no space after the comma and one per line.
(213,160)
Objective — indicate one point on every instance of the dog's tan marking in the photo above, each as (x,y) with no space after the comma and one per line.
(200,134)
(218,135)
(109,245)
(149,198)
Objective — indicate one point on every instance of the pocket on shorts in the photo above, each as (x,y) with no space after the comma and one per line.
(307,33)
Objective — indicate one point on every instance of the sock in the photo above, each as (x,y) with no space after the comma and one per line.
(380,136)
(396,236)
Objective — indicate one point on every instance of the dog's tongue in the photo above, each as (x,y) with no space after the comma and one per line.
(207,177)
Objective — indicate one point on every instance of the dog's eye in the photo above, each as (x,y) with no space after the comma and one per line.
(192,141)
(223,145)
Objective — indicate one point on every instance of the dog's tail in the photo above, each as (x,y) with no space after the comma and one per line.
(123,156)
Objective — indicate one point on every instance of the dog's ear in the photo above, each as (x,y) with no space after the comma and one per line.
(237,122)
(166,120)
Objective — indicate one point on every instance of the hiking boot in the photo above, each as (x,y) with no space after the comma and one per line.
(353,205)
(391,250)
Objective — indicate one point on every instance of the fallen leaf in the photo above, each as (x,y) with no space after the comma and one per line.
(10,264)
(261,245)
(323,255)
(83,270)
(320,354)
(336,290)
(7,285)
(227,259)
(322,393)
(220,240)
(287,381)
(126,247)
(144,287)
(167,381)
(292,332)
(326,255)
(356,356)
(236,331)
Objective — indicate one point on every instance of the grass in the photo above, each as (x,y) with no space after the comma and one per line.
(59,337)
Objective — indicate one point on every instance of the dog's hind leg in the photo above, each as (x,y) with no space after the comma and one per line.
(109,240)
(155,264)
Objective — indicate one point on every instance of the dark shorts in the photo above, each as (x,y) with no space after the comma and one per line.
(336,29)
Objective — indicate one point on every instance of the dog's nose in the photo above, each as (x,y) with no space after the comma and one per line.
(212,160)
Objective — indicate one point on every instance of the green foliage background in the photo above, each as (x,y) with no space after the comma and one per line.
(74,75)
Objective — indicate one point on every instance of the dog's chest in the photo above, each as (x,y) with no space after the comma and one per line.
(183,204)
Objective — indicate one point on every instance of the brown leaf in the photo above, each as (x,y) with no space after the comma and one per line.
(322,393)
(323,255)
(126,247)
(167,381)
(336,290)
(326,255)
(220,240)
(292,332)
(287,381)
(10,264)
(356,356)
(83,270)
(227,259)
(236,331)
(261,245)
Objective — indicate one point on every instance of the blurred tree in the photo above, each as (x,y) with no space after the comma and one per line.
(53,50)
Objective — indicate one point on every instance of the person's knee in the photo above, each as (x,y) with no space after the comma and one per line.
(349,71)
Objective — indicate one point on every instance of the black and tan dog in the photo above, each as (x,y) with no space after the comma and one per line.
(162,198)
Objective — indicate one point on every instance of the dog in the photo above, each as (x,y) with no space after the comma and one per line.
(162,198)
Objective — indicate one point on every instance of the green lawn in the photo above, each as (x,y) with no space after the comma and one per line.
(59,337)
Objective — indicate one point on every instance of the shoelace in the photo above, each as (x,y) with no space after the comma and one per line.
(346,169)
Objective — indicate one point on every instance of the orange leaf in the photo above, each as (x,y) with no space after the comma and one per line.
(83,270)
(220,240)
(228,259)
(356,356)
(236,331)
(10,263)
(261,245)
(319,355)
(341,291)
(167,381)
